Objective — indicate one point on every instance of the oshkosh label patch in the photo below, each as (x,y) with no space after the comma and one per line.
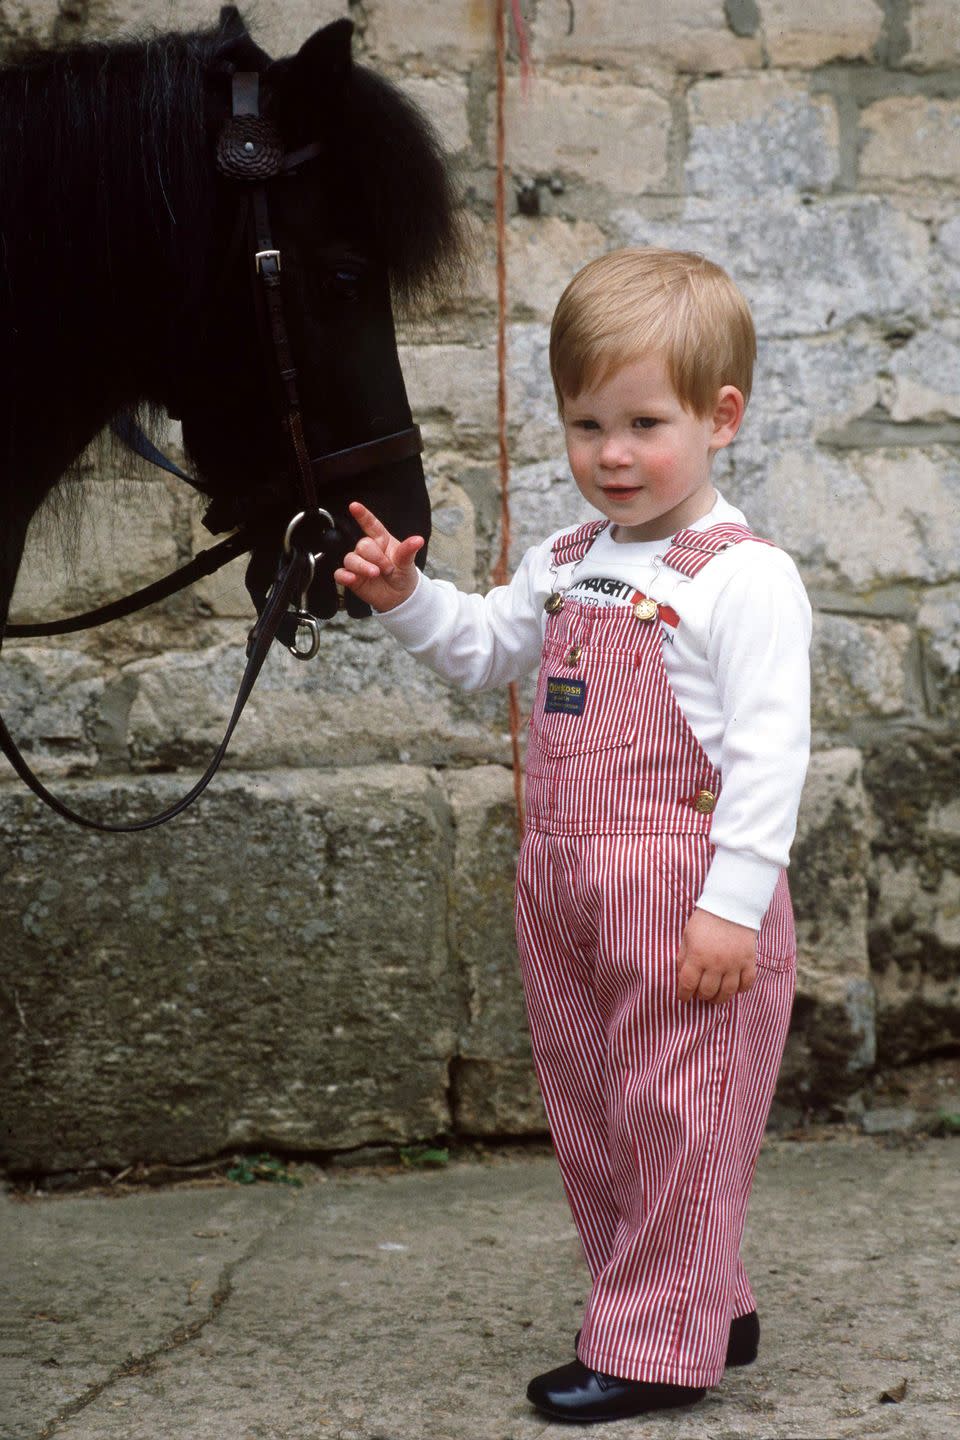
(565,697)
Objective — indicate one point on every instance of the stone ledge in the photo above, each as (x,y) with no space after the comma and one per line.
(370,703)
(270,969)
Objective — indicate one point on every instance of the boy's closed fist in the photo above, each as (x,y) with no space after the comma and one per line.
(717,959)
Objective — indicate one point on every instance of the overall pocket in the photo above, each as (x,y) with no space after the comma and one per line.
(683,863)
(585,704)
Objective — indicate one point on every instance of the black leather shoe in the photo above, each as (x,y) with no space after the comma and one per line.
(575,1393)
(744,1339)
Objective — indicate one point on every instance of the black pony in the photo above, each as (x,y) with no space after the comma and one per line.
(123,287)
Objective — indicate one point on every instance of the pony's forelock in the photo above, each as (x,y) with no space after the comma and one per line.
(410,195)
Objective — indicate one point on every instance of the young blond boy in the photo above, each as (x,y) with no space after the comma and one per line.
(668,745)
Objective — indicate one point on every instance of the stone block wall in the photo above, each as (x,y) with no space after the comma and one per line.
(320,955)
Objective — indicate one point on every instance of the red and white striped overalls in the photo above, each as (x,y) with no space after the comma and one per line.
(656,1109)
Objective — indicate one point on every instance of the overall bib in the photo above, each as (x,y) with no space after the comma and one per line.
(656,1109)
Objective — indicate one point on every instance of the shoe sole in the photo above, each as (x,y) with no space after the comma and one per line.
(576,1419)
(565,1419)
(582,1419)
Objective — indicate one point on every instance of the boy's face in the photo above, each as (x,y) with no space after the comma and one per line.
(638,456)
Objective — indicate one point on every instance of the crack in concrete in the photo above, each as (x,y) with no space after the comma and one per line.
(140,1364)
(179,1337)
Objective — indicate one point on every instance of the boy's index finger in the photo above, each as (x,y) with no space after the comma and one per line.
(368,522)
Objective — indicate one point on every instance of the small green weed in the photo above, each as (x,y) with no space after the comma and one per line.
(947,1123)
(424,1157)
(251,1168)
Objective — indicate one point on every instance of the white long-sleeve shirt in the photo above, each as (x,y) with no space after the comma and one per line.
(738,663)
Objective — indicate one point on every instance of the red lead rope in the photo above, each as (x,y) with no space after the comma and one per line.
(523,44)
(501,569)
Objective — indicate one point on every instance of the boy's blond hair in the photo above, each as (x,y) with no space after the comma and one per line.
(636,302)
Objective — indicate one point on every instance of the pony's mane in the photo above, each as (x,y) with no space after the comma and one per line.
(137,105)
(408,190)
(115,158)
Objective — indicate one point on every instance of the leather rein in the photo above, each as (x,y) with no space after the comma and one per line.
(249,150)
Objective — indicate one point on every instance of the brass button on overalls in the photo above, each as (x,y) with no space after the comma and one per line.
(645,609)
(573,655)
(705,802)
(553,603)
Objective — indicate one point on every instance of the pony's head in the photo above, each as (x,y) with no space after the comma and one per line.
(128,279)
(367,215)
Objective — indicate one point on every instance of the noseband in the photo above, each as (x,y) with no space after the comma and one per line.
(249,151)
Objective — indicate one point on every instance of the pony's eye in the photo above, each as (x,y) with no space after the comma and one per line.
(346,280)
(342,279)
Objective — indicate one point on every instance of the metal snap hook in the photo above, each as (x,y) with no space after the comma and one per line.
(310,624)
(305,621)
(311,571)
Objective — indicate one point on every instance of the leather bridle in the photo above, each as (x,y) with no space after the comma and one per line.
(249,151)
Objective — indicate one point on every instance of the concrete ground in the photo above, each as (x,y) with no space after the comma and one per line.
(414,1305)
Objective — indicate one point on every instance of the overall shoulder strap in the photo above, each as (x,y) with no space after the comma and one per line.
(693,549)
(575,543)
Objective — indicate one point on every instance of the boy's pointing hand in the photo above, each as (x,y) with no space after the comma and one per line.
(380,569)
(717,959)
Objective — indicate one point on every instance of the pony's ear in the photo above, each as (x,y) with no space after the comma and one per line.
(235,47)
(232,23)
(316,75)
(326,55)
